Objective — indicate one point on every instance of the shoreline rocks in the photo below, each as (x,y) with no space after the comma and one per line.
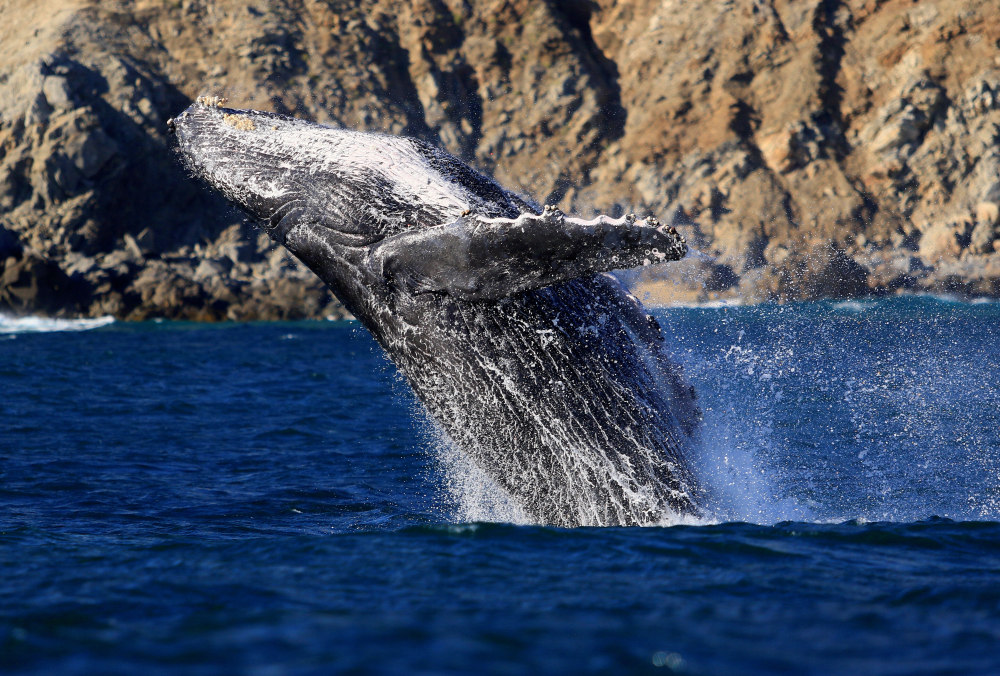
(806,149)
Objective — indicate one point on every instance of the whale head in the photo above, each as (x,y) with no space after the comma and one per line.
(361,187)
(282,172)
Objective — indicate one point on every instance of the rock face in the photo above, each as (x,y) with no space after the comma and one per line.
(808,148)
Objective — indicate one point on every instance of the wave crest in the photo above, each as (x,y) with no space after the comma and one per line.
(14,325)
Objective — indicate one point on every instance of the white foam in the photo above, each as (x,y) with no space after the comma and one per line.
(15,325)
(855,306)
(954,299)
(473,495)
(705,305)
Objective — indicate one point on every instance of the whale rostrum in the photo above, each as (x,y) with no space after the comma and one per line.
(534,361)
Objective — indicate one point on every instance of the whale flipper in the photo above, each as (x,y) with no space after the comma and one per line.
(480,258)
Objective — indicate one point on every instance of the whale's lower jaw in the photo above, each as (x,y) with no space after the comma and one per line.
(543,371)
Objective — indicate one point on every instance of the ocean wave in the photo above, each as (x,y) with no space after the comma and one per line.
(954,299)
(698,305)
(14,325)
(855,306)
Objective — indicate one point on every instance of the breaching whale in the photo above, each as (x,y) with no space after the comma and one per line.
(502,316)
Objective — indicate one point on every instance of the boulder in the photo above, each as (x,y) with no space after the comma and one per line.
(942,241)
(32,283)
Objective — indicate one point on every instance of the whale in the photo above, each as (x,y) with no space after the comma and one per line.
(503,317)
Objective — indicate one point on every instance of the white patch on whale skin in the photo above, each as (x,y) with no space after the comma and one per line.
(324,149)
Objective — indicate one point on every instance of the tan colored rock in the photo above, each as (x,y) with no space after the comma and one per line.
(784,128)
(57,92)
(776,149)
(988,212)
(941,241)
(984,236)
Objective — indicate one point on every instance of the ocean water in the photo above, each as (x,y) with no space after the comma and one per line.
(267,499)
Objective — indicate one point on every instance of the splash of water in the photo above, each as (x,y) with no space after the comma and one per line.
(824,412)
(869,410)
(701,255)
(470,494)
(553,397)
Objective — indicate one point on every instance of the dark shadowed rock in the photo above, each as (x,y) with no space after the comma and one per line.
(31,284)
(721,278)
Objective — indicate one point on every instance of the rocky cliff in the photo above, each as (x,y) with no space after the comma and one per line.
(808,148)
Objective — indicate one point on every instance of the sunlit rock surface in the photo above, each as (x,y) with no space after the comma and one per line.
(806,148)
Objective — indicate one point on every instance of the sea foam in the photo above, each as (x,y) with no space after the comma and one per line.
(14,325)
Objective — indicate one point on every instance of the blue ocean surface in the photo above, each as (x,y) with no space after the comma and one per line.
(268,499)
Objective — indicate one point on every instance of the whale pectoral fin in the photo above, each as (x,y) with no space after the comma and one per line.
(477,258)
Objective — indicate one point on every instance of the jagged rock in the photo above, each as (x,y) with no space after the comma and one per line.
(210,270)
(807,271)
(721,278)
(984,235)
(800,140)
(796,146)
(942,240)
(78,265)
(90,150)
(988,213)
(58,93)
(132,247)
(32,283)
(904,121)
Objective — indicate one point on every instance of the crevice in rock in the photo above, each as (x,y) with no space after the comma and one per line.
(779,25)
(788,205)
(744,123)
(400,88)
(435,41)
(831,48)
(577,14)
